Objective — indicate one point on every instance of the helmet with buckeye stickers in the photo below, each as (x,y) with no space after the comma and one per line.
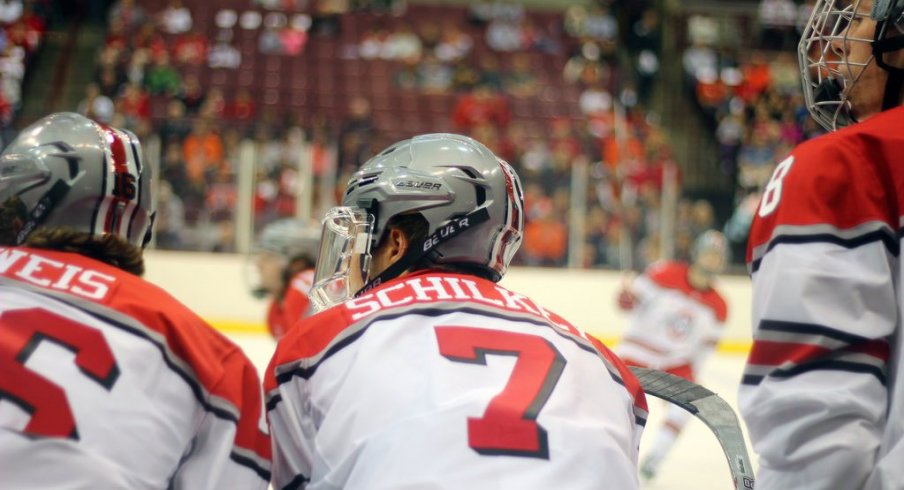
(67,171)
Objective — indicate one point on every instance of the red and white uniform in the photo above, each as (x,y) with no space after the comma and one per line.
(820,392)
(107,382)
(438,380)
(286,312)
(674,326)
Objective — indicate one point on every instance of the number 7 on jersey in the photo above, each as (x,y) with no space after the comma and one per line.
(509,424)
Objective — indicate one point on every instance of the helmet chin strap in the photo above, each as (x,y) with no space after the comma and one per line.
(427,246)
(829,90)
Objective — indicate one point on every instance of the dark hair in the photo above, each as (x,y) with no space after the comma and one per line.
(416,228)
(13,215)
(109,249)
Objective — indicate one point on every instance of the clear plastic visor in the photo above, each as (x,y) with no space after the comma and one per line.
(344,259)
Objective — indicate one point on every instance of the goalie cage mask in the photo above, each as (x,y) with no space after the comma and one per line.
(826,73)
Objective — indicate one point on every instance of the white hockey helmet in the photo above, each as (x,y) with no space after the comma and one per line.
(828,76)
(67,171)
(471,200)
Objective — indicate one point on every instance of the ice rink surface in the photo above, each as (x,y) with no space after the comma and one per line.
(696,461)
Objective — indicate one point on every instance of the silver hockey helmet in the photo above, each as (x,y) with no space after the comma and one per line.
(283,248)
(68,171)
(710,252)
(290,238)
(828,75)
(471,200)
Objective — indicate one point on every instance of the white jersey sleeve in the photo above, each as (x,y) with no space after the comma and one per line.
(815,392)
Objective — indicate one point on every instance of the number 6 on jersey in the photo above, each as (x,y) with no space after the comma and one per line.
(509,425)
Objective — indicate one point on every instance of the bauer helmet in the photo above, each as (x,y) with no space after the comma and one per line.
(471,200)
(67,171)
(828,76)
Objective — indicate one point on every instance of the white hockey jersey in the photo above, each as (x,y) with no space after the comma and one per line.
(673,324)
(107,382)
(821,392)
(446,381)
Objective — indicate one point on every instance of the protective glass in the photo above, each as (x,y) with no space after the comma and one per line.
(344,259)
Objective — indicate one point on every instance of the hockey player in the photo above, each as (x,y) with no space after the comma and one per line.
(106,381)
(821,392)
(426,373)
(285,263)
(678,319)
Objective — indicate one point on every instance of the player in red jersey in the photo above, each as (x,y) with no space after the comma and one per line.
(821,391)
(287,251)
(677,320)
(424,373)
(106,381)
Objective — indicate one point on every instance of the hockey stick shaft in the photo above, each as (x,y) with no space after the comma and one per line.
(710,408)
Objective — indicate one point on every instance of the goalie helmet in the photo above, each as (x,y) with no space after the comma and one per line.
(471,200)
(828,75)
(67,171)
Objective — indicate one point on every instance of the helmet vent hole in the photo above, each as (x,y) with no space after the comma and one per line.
(481,194)
(480,191)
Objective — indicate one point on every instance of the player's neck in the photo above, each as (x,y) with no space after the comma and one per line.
(698,279)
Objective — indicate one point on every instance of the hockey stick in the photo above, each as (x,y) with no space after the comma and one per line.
(708,407)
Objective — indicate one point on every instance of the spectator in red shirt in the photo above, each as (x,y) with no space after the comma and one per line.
(149,38)
(242,107)
(190,48)
(482,105)
(134,104)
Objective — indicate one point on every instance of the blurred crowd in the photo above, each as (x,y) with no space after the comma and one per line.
(22,27)
(553,93)
(752,100)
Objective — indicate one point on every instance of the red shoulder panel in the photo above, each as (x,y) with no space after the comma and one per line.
(841,181)
(218,365)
